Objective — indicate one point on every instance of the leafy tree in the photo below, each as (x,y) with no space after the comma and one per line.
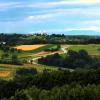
(15,60)
(5,55)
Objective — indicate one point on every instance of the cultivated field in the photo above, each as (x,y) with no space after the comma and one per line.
(28,47)
(31,53)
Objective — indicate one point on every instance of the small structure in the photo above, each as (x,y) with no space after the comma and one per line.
(3,43)
(43,33)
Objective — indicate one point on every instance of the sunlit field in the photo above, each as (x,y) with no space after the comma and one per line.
(28,47)
(92,49)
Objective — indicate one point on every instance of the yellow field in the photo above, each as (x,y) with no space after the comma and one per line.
(28,47)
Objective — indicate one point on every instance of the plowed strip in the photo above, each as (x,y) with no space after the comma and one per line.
(4,73)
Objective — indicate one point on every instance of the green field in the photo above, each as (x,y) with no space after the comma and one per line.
(12,69)
(92,49)
(29,53)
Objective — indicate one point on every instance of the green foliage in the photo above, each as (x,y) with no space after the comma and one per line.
(23,71)
(73,59)
(4,56)
(56,85)
(19,39)
(14,59)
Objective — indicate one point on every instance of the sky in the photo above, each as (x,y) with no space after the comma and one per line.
(52,16)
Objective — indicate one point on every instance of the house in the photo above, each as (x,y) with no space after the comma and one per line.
(3,43)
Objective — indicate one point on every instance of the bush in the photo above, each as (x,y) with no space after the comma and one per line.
(15,60)
(24,71)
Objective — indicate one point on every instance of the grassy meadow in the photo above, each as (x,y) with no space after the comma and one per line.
(92,49)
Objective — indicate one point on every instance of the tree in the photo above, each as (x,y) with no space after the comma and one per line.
(58,47)
(5,55)
(15,59)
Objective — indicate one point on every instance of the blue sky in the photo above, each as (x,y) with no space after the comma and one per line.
(53,16)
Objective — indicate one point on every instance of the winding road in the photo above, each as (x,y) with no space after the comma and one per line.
(33,60)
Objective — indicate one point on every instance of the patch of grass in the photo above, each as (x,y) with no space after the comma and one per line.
(92,49)
(1,52)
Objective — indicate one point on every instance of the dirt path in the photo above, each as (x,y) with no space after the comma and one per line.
(43,54)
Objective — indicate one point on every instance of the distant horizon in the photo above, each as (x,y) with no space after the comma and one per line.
(58,16)
(68,33)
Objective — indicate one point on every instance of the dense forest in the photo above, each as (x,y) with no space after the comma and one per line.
(52,85)
(16,39)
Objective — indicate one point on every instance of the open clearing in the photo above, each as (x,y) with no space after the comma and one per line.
(92,49)
(28,47)
(4,74)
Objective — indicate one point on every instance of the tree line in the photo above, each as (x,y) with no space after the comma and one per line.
(16,39)
(72,59)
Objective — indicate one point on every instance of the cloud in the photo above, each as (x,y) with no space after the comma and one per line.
(63,2)
(95,23)
(7,5)
(39,17)
(60,12)
(90,1)
(91,28)
(50,4)
(42,17)
(81,1)
(55,13)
